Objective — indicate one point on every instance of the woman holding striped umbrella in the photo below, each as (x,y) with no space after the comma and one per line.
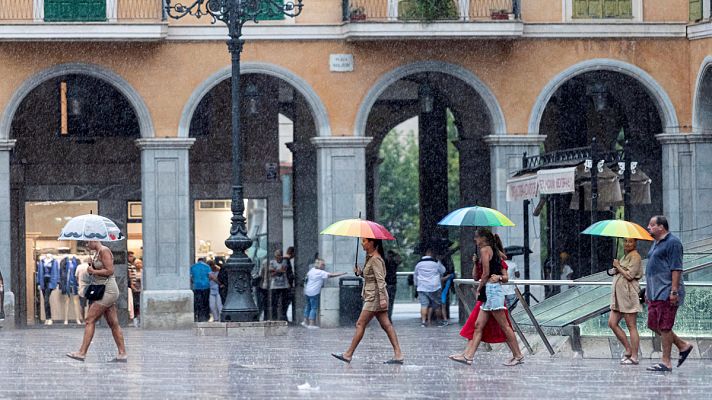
(374,293)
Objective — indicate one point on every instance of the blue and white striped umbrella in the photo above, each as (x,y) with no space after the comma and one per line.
(476,216)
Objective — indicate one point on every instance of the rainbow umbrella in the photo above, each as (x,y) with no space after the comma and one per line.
(476,216)
(618,228)
(359,228)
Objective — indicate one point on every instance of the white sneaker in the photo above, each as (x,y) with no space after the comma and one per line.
(135,322)
(48,322)
(312,327)
(79,322)
(304,323)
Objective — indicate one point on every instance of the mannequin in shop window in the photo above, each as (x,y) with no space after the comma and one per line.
(83,280)
(68,285)
(47,280)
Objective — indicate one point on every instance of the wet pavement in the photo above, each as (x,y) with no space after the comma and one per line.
(178,364)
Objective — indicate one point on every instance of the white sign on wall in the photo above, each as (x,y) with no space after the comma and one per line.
(341,62)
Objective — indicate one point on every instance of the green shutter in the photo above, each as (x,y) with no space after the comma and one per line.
(75,10)
(580,9)
(695,10)
(595,9)
(270,16)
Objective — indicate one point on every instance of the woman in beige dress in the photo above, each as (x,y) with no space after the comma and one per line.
(101,270)
(624,300)
(375,301)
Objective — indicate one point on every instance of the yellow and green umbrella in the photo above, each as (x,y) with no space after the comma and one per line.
(618,228)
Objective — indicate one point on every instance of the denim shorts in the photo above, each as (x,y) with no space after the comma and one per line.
(429,299)
(495,297)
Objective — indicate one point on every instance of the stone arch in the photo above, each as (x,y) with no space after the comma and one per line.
(702,85)
(657,93)
(95,71)
(459,72)
(318,110)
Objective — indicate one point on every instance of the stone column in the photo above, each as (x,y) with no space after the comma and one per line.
(341,194)
(166,301)
(6,268)
(687,184)
(505,158)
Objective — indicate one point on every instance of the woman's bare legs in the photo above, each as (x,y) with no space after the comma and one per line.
(472,345)
(113,320)
(391,332)
(613,320)
(361,325)
(501,317)
(95,312)
(630,321)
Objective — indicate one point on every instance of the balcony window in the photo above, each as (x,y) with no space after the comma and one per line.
(74,10)
(602,9)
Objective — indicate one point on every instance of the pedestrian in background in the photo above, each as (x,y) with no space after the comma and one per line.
(625,302)
(312,291)
(291,281)
(426,277)
(101,271)
(278,286)
(665,291)
(393,260)
(200,282)
(375,301)
(215,302)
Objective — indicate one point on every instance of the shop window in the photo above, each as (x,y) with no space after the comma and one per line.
(74,10)
(212,227)
(52,294)
(601,9)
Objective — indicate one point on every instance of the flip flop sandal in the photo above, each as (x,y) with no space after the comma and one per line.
(659,368)
(340,356)
(394,361)
(514,361)
(119,360)
(75,357)
(629,361)
(626,357)
(462,359)
(683,355)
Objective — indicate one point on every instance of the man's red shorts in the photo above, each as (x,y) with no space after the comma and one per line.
(661,315)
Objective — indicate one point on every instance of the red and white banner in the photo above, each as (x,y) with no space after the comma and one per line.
(555,181)
(522,188)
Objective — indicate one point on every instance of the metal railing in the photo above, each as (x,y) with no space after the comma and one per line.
(466,299)
(416,10)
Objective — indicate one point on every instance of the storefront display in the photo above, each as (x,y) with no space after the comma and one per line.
(52,285)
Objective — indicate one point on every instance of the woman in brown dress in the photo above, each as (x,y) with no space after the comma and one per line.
(624,300)
(101,270)
(375,301)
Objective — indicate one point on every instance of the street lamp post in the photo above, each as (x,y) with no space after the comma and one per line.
(239,305)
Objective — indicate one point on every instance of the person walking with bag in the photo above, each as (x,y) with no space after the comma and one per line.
(625,303)
(102,294)
(375,301)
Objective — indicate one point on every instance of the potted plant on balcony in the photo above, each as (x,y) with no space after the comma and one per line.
(427,10)
(357,14)
(499,14)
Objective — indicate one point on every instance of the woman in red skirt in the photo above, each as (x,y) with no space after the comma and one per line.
(492,331)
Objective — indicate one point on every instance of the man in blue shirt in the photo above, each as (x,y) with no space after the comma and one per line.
(665,291)
(200,283)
